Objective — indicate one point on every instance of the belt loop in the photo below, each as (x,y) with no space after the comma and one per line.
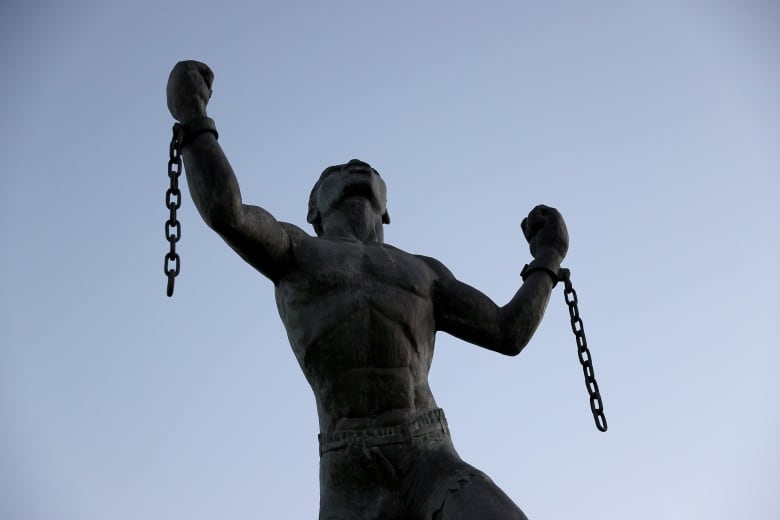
(407,433)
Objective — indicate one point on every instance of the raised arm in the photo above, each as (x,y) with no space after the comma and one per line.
(468,314)
(251,231)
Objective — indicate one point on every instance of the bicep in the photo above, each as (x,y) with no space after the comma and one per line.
(465,312)
(260,240)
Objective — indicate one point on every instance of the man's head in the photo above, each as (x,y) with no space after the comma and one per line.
(336,183)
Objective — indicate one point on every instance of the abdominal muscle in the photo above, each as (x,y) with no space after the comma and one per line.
(371,398)
(367,373)
(363,332)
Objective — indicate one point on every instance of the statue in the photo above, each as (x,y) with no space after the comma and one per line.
(361,317)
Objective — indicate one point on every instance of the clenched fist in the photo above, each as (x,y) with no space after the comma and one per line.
(189,90)
(546,233)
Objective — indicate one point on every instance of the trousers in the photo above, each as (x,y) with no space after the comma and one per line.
(408,471)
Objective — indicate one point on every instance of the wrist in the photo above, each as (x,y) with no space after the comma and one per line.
(550,267)
(548,256)
(187,132)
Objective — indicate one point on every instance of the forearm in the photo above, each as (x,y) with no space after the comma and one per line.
(520,318)
(212,183)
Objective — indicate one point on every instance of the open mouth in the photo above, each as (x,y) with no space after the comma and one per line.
(358,186)
(362,170)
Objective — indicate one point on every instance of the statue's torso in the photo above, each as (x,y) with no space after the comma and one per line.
(360,321)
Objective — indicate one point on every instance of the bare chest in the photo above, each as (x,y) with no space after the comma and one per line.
(333,267)
(342,291)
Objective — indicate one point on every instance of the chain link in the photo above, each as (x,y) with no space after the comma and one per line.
(596,405)
(173,202)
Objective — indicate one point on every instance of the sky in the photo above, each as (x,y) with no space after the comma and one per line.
(652,126)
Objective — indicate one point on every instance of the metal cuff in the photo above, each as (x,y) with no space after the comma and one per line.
(535,266)
(187,132)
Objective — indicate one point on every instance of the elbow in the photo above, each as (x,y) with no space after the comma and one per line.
(516,329)
(222,214)
(512,345)
(509,348)
(224,223)
(220,225)
(512,350)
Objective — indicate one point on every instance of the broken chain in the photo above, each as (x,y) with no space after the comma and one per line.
(173,202)
(596,405)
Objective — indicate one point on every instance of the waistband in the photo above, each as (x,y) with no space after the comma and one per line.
(427,423)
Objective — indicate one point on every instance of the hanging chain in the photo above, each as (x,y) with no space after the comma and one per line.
(173,202)
(596,406)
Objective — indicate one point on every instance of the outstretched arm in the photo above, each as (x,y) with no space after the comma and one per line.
(251,231)
(468,314)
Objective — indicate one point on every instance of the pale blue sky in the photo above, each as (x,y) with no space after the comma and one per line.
(653,126)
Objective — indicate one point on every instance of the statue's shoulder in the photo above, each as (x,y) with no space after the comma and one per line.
(438,268)
(427,260)
(295,233)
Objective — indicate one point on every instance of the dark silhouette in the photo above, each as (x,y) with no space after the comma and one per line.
(361,317)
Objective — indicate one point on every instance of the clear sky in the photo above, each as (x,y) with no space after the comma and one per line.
(653,126)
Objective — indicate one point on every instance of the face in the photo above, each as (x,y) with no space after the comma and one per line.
(353,179)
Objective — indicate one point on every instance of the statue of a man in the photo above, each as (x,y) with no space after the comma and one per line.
(361,317)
